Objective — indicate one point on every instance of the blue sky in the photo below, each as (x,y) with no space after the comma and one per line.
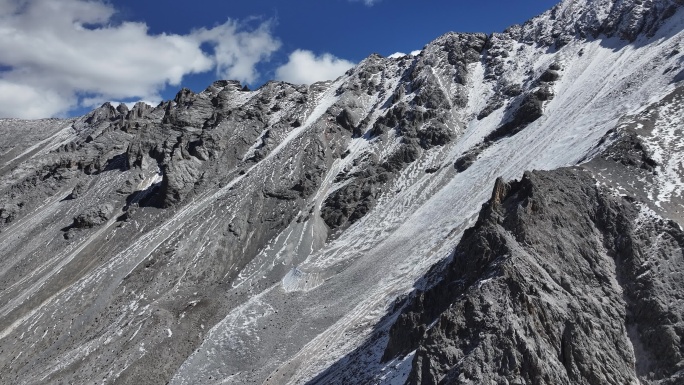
(90,51)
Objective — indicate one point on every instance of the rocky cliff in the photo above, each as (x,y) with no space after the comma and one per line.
(560,281)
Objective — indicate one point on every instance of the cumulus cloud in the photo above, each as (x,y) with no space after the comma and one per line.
(237,52)
(304,67)
(24,101)
(58,55)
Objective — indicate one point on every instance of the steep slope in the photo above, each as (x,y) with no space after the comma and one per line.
(237,236)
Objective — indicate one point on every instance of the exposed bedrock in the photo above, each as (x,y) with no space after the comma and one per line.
(560,281)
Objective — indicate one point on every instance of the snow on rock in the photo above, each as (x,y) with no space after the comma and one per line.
(264,236)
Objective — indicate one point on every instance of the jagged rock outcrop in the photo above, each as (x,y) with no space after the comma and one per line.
(95,216)
(559,281)
(592,18)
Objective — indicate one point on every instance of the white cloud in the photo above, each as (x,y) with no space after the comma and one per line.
(304,67)
(19,100)
(57,55)
(237,52)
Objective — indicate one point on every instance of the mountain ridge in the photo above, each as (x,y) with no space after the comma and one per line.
(276,235)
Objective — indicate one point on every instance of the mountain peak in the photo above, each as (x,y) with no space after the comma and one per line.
(586,19)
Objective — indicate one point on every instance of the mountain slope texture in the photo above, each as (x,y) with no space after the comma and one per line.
(497,209)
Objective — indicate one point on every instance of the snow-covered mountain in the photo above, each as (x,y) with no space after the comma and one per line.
(369,229)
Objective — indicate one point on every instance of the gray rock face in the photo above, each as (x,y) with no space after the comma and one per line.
(94,217)
(302,234)
(8,212)
(592,18)
(558,282)
(529,108)
(351,202)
